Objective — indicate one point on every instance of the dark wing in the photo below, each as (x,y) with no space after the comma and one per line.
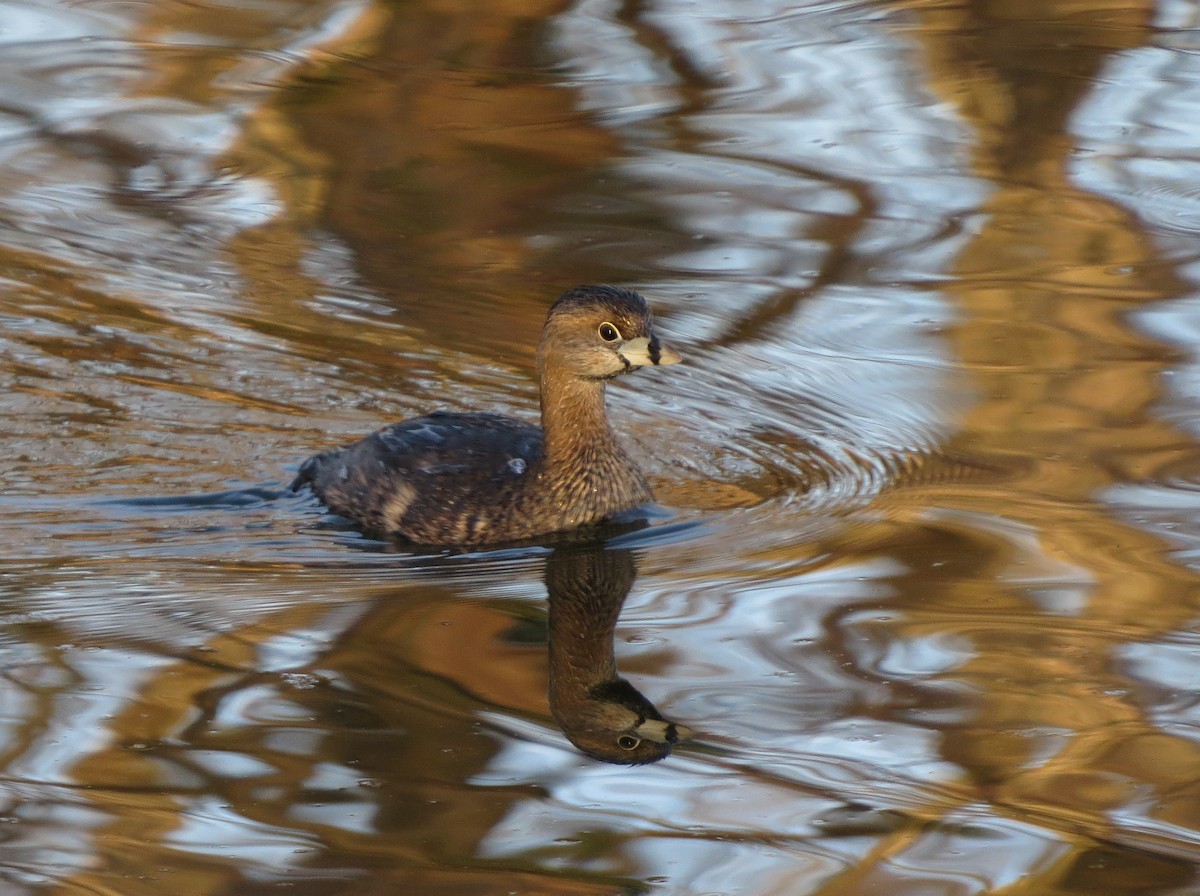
(482,445)
(427,458)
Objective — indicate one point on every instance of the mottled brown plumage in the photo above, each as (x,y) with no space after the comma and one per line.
(471,479)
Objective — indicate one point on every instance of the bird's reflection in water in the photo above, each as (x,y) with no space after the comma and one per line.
(601,713)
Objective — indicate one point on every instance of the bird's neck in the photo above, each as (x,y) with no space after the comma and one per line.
(574,422)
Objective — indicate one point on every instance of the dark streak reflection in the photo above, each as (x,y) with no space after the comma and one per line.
(600,712)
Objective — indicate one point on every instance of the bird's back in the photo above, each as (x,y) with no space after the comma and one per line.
(442,478)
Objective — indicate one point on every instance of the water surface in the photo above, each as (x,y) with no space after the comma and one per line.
(925,578)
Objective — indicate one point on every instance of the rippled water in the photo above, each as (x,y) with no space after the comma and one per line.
(926,581)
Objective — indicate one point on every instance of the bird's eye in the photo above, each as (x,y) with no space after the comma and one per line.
(627,742)
(608,332)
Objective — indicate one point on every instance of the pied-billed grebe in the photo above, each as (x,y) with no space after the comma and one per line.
(470,479)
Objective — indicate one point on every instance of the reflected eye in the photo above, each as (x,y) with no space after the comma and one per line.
(627,742)
(608,332)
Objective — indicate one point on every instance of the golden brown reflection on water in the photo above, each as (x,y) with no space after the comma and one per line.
(929,593)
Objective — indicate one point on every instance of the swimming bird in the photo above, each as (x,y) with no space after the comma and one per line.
(483,478)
